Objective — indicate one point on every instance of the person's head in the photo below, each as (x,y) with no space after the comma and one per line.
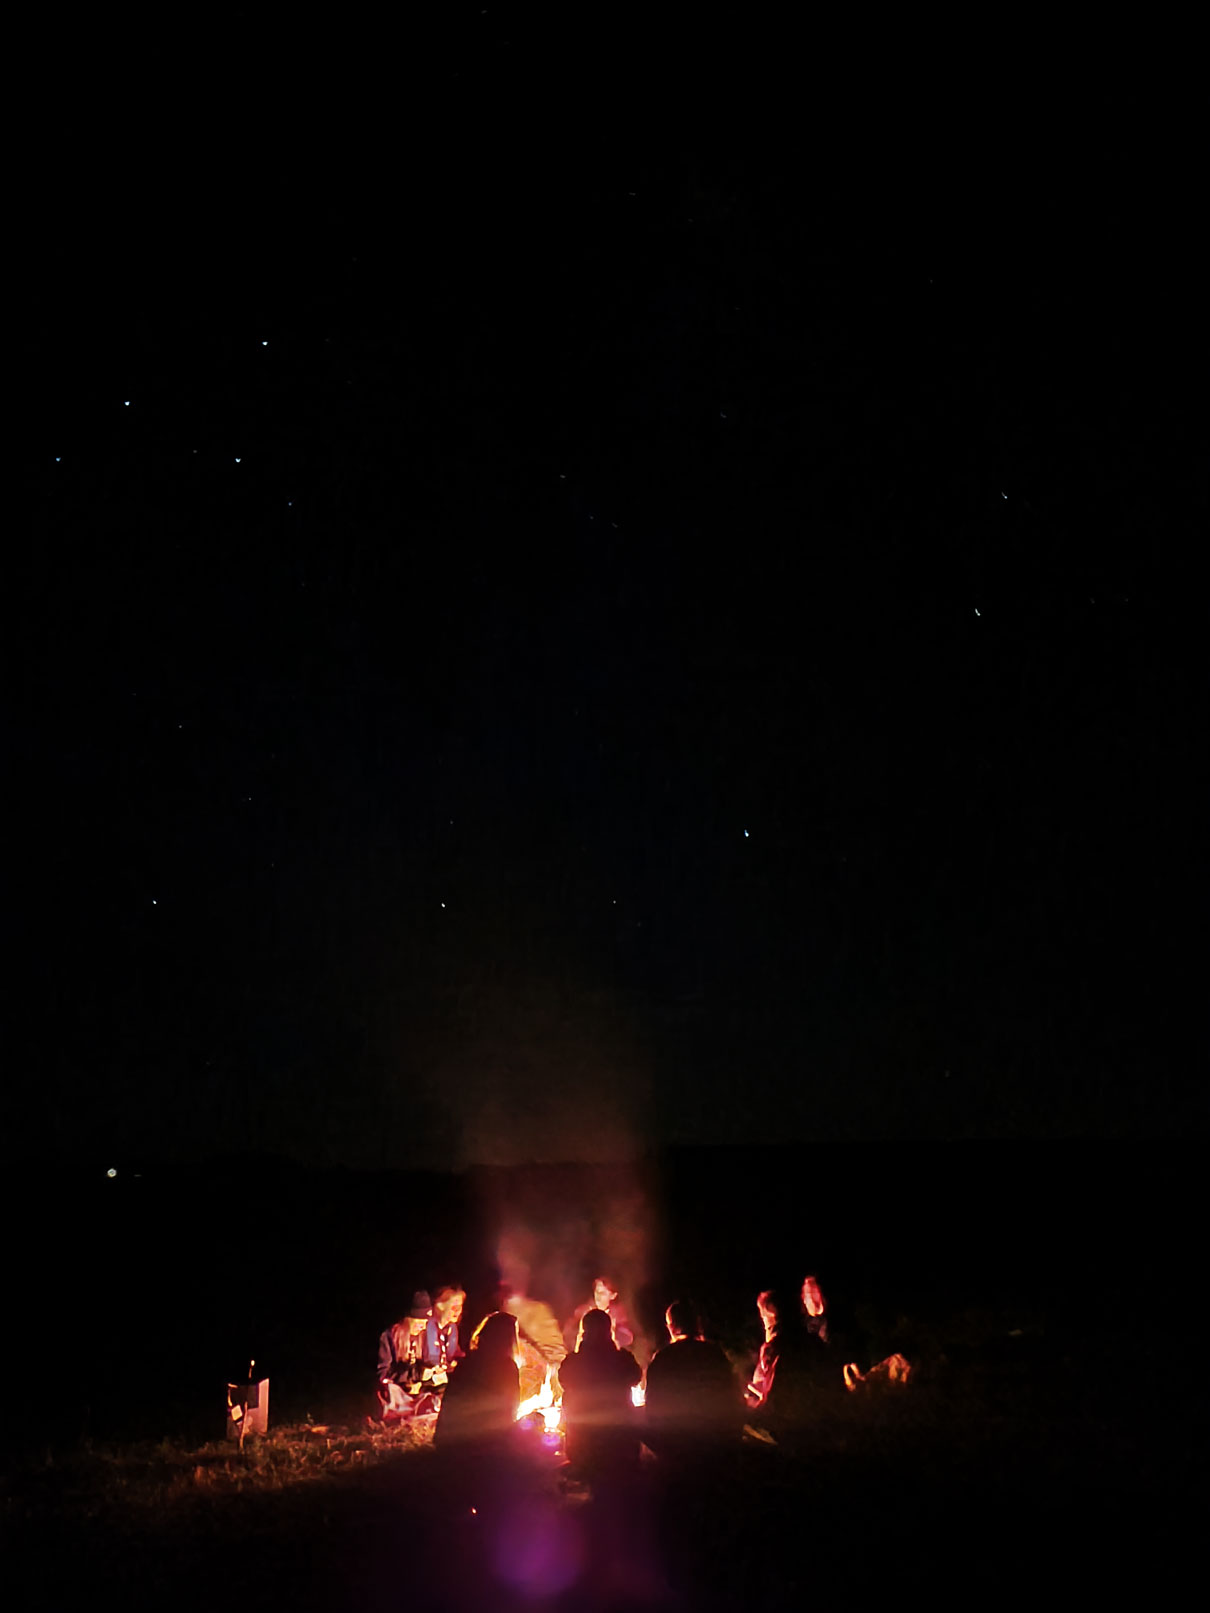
(774,1310)
(447,1305)
(604,1292)
(509,1301)
(812,1296)
(495,1338)
(417,1318)
(596,1332)
(681,1320)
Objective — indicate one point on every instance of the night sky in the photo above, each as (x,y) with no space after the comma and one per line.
(553,662)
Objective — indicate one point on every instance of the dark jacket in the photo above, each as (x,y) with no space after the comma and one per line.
(480,1403)
(441,1344)
(693,1399)
(792,1371)
(600,1422)
(391,1366)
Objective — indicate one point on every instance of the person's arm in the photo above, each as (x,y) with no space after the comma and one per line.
(623,1333)
(386,1356)
(572,1329)
(757,1391)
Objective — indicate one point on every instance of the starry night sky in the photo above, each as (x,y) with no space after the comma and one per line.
(569,663)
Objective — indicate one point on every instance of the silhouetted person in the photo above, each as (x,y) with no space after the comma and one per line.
(814,1309)
(479,1407)
(784,1383)
(604,1298)
(599,1417)
(831,1345)
(694,1406)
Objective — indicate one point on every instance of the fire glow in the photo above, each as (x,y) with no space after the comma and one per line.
(544,1401)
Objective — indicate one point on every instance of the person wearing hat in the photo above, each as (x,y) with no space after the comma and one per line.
(401,1368)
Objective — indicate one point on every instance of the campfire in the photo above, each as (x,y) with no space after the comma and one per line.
(544,1401)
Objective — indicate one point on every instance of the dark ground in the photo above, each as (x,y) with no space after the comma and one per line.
(1043,1296)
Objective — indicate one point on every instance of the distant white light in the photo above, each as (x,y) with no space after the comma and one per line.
(237,459)
(745,834)
(1003,495)
(126,403)
(264,344)
(111,1171)
(153,901)
(976,610)
(58,461)
(443,904)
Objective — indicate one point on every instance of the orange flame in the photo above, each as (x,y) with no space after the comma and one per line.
(544,1401)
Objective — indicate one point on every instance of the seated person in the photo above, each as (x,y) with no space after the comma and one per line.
(788,1369)
(839,1346)
(402,1386)
(604,1298)
(479,1406)
(693,1400)
(539,1341)
(600,1423)
(814,1309)
(442,1352)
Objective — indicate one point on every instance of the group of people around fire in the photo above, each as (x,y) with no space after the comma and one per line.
(688,1401)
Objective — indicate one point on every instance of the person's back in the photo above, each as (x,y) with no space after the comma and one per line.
(693,1400)
(792,1372)
(480,1403)
(598,1414)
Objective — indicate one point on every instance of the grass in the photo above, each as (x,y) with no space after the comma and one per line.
(981,1472)
(153,1479)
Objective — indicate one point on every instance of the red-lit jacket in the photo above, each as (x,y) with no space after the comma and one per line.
(623,1333)
(758,1391)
